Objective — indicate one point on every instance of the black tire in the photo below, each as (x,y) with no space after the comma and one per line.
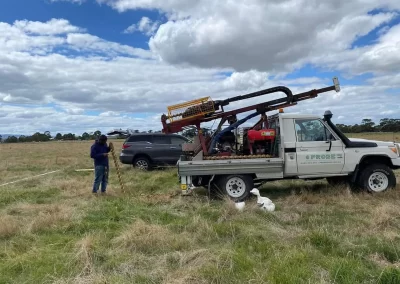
(142,163)
(237,187)
(377,178)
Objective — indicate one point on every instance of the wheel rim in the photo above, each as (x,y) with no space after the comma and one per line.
(378,182)
(142,164)
(235,187)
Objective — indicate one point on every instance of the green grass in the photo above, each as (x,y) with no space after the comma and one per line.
(52,230)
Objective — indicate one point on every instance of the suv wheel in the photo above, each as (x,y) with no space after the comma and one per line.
(142,163)
(237,187)
(377,178)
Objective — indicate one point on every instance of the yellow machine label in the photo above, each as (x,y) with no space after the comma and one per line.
(183,186)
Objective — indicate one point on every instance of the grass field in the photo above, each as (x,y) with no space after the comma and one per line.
(53,230)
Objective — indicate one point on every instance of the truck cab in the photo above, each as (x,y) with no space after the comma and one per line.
(314,146)
(306,147)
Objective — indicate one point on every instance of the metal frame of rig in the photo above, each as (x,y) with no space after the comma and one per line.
(196,112)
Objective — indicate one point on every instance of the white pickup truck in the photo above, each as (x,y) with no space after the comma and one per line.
(309,147)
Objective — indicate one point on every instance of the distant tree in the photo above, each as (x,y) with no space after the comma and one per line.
(47,133)
(150,131)
(389,125)
(85,136)
(11,139)
(59,136)
(367,125)
(136,131)
(69,136)
(97,133)
(40,137)
(22,139)
(190,133)
(1,138)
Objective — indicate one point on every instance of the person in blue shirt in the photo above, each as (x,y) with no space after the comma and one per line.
(99,153)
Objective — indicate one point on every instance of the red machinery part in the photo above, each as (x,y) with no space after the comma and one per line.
(261,135)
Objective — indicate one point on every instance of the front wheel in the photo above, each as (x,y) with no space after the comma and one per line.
(237,187)
(377,178)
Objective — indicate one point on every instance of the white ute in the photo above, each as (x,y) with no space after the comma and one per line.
(309,147)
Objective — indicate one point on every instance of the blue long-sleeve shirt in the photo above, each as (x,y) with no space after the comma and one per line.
(97,154)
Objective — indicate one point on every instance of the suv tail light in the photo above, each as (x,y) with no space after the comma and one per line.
(124,146)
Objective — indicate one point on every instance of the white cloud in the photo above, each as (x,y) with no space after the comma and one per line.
(119,81)
(87,42)
(381,57)
(52,27)
(262,35)
(46,118)
(109,114)
(145,25)
(42,38)
(246,80)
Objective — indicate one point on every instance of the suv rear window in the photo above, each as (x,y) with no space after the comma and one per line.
(140,138)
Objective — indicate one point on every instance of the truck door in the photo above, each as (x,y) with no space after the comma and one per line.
(318,150)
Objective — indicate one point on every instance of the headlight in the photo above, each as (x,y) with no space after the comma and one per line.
(395,149)
(398,149)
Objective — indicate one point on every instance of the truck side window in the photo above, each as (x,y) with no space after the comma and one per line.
(312,130)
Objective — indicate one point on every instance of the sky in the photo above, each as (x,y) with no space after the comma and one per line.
(86,65)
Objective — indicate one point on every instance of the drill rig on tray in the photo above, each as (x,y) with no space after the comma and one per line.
(258,141)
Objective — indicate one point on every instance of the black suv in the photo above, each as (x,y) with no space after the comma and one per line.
(146,150)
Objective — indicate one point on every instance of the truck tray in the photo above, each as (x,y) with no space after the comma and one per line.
(266,168)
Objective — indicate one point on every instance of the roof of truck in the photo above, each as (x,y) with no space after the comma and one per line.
(299,116)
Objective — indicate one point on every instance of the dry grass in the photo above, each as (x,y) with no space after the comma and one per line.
(151,238)
(8,226)
(52,229)
(84,255)
(28,218)
(380,136)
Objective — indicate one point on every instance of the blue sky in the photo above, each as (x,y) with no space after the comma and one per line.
(97,19)
(102,64)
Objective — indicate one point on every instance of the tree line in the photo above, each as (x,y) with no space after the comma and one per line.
(367,125)
(46,136)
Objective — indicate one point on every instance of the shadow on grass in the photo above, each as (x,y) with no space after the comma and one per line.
(284,189)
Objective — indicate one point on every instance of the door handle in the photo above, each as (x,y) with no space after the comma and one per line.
(149,147)
(302,149)
(172,147)
(330,145)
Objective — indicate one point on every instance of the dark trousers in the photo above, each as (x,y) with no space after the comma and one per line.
(100,178)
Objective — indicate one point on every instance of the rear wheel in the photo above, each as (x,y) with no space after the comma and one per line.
(237,187)
(142,163)
(377,178)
